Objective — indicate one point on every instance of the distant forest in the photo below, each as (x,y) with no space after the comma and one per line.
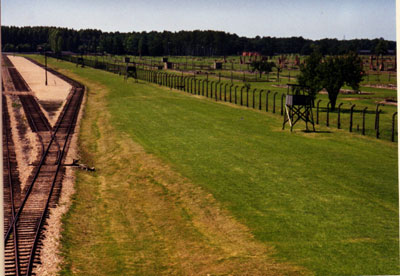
(195,43)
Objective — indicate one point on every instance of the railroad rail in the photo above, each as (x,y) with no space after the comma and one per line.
(25,219)
(15,77)
(11,190)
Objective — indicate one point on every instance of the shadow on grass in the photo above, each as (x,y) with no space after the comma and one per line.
(317,131)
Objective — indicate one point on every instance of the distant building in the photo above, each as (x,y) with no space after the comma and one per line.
(369,52)
(364,52)
(251,54)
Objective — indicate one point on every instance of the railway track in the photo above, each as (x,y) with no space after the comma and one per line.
(26,214)
(11,187)
(19,82)
(15,77)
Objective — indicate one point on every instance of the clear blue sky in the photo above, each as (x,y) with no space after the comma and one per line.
(313,19)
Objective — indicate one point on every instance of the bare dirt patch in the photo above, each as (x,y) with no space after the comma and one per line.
(348,92)
(388,102)
(351,99)
(280,85)
(385,86)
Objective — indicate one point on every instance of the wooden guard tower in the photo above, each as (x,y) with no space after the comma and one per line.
(298,106)
(80,62)
(130,69)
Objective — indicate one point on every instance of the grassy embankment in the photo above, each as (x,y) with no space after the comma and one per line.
(327,201)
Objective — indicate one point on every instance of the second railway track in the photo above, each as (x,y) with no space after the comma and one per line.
(26,213)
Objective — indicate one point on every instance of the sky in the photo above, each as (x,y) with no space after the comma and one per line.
(312,19)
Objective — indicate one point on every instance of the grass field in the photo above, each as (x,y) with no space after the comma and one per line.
(369,99)
(189,63)
(324,201)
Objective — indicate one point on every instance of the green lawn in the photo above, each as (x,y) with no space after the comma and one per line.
(327,201)
(369,100)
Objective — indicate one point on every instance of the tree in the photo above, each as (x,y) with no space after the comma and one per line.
(331,73)
(60,43)
(381,48)
(54,36)
(336,71)
(310,73)
(262,66)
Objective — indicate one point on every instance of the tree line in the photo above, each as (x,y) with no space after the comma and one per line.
(195,43)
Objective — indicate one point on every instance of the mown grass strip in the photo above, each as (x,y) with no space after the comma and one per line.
(328,200)
(135,216)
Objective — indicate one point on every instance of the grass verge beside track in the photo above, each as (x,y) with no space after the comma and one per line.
(327,201)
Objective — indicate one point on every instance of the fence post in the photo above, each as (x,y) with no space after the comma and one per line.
(254,92)
(216,91)
(207,86)
(283,95)
(247,97)
(376,116)
(241,95)
(338,116)
(318,111)
(351,117)
(273,110)
(230,93)
(259,104)
(363,123)
(162,78)
(220,90)
(393,119)
(225,91)
(327,113)
(266,100)
(377,123)
(236,94)
(167,79)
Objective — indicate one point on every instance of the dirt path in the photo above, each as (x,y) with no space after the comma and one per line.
(136,215)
